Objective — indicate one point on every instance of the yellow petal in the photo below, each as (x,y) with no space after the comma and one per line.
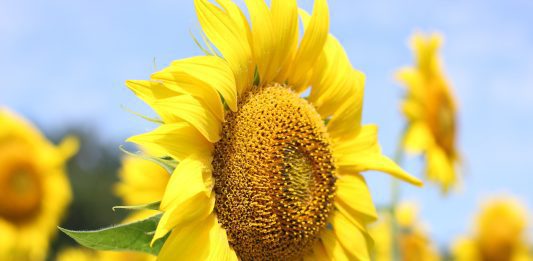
(337,90)
(407,214)
(356,243)
(333,247)
(318,253)
(414,82)
(285,22)
(219,247)
(363,153)
(189,76)
(346,122)
(148,91)
(239,19)
(69,146)
(440,168)
(189,109)
(188,195)
(353,197)
(264,44)
(178,140)
(192,176)
(182,213)
(184,84)
(334,79)
(426,50)
(417,138)
(201,240)
(313,41)
(151,91)
(413,109)
(358,219)
(228,30)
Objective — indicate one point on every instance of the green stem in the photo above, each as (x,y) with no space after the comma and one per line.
(395,196)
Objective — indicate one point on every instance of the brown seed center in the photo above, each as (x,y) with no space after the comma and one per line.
(20,185)
(274,175)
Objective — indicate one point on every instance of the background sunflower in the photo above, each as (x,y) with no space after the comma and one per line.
(35,189)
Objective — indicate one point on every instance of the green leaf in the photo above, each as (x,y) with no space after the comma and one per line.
(134,236)
(257,78)
(150,206)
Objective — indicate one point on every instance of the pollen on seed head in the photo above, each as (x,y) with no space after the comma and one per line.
(274,175)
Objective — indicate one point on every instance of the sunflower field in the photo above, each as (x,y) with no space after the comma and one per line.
(266,130)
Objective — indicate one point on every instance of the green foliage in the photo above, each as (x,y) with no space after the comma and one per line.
(134,236)
(257,78)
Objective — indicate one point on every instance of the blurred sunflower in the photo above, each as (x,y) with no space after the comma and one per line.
(141,181)
(500,234)
(263,172)
(35,190)
(83,254)
(76,254)
(431,111)
(413,241)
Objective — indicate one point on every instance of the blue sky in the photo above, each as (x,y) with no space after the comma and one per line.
(65,62)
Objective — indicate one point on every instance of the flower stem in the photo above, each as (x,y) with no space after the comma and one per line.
(395,197)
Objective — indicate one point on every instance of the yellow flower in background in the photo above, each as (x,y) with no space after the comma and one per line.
(430,109)
(263,172)
(413,241)
(76,254)
(382,234)
(141,181)
(34,188)
(499,235)
(83,254)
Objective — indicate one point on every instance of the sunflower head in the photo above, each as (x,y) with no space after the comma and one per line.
(21,185)
(275,152)
(500,227)
(499,233)
(264,172)
(35,189)
(430,109)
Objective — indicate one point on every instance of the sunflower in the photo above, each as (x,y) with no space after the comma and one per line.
(264,173)
(499,235)
(35,189)
(430,110)
(413,241)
